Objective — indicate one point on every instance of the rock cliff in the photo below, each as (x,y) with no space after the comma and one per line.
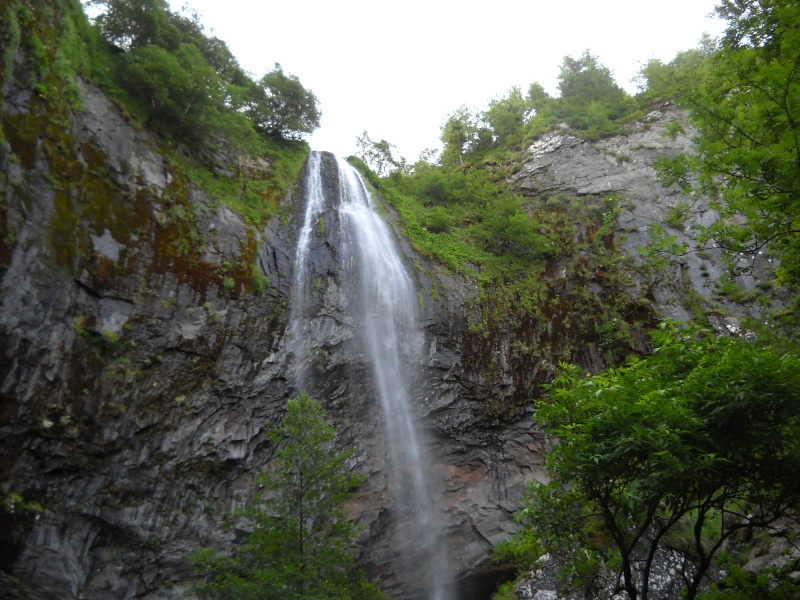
(140,363)
(139,368)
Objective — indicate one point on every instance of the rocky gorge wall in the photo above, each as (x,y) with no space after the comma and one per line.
(140,362)
(140,367)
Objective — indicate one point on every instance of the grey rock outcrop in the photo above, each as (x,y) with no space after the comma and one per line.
(139,369)
(624,166)
(139,364)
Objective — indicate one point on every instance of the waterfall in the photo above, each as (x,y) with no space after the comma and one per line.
(381,302)
(299,333)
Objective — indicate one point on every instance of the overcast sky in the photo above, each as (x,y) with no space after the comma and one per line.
(397,69)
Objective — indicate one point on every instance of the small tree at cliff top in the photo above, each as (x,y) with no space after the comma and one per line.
(301,546)
(280,105)
(689,446)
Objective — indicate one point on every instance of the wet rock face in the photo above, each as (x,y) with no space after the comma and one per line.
(477,471)
(134,383)
(139,366)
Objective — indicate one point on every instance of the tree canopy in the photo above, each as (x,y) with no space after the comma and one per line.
(744,100)
(378,156)
(702,437)
(280,105)
(190,85)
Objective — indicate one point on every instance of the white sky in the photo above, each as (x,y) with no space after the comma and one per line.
(397,70)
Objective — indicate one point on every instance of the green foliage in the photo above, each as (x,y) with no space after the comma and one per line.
(180,90)
(744,98)
(507,116)
(463,133)
(770,584)
(130,24)
(461,218)
(301,545)
(378,156)
(191,87)
(590,98)
(677,215)
(224,130)
(260,280)
(507,229)
(15,503)
(662,249)
(660,81)
(505,592)
(257,190)
(15,16)
(280,106)
(704,431)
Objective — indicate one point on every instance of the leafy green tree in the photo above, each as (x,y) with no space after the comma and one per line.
(180,90)
(301,546)
(666,81)
(701,439)
(190,86)
(187,85)
(131,24)
(280,105)
(745,107)
(590,97)
(378,156)
(462,134)
(507,116)
(586,79)
(507,228)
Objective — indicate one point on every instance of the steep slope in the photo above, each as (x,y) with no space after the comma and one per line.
(683,278)
(140,366)
(141,358)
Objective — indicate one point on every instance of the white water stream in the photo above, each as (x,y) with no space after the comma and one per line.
(383,309)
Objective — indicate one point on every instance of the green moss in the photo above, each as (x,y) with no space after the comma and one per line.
(260,280)
(257,186)
(733,292)
(677,215)
(15,17)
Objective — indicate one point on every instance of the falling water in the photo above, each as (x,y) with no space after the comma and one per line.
(299,334)
(385,300)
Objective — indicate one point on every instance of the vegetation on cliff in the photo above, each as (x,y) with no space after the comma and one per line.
(302,544)
(189,85)
(236,138)
(695,446)
(628,473)
(461,209)
(744,99)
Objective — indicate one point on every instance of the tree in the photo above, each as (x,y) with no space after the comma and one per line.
(187,84)
(131,24)
(590,97)
(280,105)
(745,108)
(377,155)
(301,546)
(507,229)
(179,90)
(507,116)
(702,438)
(462,134)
